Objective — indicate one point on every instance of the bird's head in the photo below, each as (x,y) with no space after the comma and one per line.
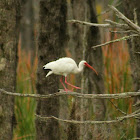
(84,63)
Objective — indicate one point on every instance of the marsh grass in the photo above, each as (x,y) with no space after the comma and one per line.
(25,107)
(117,74)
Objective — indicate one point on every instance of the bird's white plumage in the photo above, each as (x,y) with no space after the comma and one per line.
(62,66)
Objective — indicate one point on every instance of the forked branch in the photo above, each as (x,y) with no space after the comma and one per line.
(125,19)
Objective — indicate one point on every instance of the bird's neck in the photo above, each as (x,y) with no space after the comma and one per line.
(80,67)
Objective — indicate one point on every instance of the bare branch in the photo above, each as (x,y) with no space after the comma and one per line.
(111,24)
(90,24)
(137,52)
(75,94)
(135,139)
(118,119)
(123,32)
(116,40)
(137,111)
(117,25)
(124,113)
(125,19)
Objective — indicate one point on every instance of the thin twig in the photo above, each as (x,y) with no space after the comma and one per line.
(116,40)
(89,24)
(123,32)
(137,111)
(124,113)
(75,94)
(137,52)
(118,119)
(117,25)
(136,104)
(110,25)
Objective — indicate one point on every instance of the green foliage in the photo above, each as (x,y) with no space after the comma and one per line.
(25,107)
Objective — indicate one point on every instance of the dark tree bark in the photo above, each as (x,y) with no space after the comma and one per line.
(9,21)
(52,20)
(82,38)
(134,46)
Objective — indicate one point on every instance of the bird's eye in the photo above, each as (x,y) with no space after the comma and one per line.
(85,63)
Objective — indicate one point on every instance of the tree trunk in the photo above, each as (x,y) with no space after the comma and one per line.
(82,38)
(134,46)
(8,63)
(52,20)
(27,28)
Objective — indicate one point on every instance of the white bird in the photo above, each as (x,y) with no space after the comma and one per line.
(65,66)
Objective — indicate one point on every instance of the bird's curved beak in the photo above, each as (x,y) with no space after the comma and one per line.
(86,64)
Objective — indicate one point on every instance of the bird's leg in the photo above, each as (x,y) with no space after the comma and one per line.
(71,84)
(61,80)
(63,83)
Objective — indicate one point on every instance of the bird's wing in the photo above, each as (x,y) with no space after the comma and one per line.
(65,67)
(50,65)
(62,66)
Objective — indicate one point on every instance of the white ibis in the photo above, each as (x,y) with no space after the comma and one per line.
(65,66)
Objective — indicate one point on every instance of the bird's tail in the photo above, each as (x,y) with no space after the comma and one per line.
(49,73)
